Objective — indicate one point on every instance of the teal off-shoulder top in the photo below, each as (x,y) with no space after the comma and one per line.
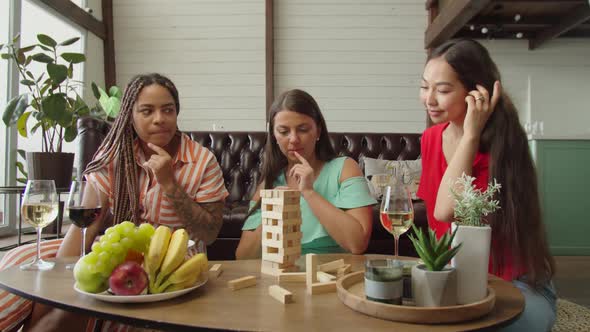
(351,193)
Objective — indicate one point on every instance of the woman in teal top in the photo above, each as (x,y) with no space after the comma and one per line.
(335,200)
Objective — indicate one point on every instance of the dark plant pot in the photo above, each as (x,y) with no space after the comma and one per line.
(55,166)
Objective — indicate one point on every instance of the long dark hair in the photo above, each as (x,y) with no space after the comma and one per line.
(274,161)
(517,227)
(119,143)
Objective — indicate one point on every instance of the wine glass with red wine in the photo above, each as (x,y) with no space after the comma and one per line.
(83,206)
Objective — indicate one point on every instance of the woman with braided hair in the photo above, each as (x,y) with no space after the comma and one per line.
(147,171)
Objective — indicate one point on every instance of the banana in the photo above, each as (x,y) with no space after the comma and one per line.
(174,255)
(192,267)
(156,252)
(185,284)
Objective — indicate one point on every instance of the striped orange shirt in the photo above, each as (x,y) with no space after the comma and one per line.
(195,169)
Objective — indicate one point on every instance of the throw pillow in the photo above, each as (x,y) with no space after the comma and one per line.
(379,172)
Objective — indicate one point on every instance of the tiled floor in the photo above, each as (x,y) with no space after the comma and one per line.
(571,279)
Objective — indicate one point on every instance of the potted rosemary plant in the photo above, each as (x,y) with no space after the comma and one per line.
(471,207)
(434,283)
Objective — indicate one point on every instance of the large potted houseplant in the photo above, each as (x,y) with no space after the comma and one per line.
(434,283)
(51,99)
(471,207)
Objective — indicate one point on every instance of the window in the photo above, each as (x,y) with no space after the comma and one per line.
(37,19)
(34,18)
(4,132)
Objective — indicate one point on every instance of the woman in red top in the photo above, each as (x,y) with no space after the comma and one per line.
(476,131)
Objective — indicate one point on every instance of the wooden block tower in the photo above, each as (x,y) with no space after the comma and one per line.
(281,230)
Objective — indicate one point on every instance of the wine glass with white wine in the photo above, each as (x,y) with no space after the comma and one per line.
(397,211)
(39,208)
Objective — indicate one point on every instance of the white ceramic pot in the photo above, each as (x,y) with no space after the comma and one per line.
(471,262)
(434,288)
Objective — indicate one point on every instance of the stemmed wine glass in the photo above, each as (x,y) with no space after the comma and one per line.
(39,208)
(397,211)
(83,208)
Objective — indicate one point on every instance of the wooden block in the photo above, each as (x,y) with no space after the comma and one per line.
(343,270)
(275,265)
(322,287)
(311,265)
(291,277)
(289,251)
(278,193)
(282,215)
(270,271)
(281,201)
(280,222)
(278,258)
(265,207)
(325,277)
(331,266)
(215,271)
(287,229)
(274,269)
(243,282)
(286,193)
(286,242)
(281,294)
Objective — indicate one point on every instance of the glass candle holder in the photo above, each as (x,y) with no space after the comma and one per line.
(407,280)
(384,281)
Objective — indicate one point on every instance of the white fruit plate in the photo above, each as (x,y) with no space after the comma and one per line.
(109,297)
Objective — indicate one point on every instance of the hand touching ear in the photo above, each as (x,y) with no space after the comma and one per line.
(479,108)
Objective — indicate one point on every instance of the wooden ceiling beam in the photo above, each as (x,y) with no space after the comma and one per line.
(539,2)
(576,17)
(451,18)
(110,73)
(78,16)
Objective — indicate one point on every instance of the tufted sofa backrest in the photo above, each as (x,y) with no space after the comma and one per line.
(240,153)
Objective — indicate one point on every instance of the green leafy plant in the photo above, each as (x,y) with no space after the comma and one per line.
(22,179)
(435,254)
(471,204)
(51,98)
(109,103)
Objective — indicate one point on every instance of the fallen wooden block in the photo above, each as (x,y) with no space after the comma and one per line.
(344,270)
(280,294)
(240,283)
(331,266)
(215,271)
(311,265)
(291,277)
(322,287)
(325,277)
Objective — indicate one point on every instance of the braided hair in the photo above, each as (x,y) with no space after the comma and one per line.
(119,144)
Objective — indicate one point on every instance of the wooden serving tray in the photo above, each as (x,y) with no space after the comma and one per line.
(351,291)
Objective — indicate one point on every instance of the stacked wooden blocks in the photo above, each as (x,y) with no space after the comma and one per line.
(281,230)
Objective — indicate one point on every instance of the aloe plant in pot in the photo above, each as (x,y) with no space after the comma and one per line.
(434,283)
(51,99)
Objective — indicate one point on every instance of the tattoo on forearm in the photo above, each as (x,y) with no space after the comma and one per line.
(201,220)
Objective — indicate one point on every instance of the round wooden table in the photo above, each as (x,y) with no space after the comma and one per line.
(215,306)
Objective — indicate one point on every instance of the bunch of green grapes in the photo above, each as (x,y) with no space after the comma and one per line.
(93,270)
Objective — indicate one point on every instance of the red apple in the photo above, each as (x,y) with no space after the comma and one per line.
(128,278)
